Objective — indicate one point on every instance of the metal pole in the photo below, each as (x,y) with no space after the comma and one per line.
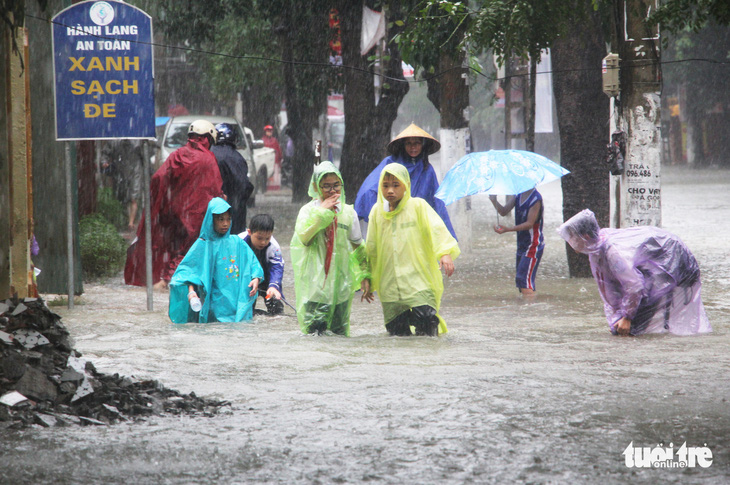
(147,222)
(69,228)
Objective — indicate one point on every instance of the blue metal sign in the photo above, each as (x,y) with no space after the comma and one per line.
(103,70)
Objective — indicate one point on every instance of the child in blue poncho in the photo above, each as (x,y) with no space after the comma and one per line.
(220,269)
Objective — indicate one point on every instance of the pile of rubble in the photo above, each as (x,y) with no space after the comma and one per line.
(44,381)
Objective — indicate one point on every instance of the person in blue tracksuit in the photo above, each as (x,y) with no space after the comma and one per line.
(530,238)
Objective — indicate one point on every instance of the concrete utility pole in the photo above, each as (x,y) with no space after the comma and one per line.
(455,136)
(19,174)
(639,194)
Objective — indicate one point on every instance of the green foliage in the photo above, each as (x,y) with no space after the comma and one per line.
(103,250)
(693,15)
(506,27)
(110,208)
(245,44)
(432,27)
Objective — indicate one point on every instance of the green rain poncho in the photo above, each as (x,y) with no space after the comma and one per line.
(221,268)
(404,246)
(327,271)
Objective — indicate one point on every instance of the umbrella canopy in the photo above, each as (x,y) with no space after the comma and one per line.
(497,172)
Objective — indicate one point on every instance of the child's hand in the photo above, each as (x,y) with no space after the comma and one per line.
(273,292)
(623,327)
(366,293)
(330,202)
(500,229)
(254,285)
(447,264)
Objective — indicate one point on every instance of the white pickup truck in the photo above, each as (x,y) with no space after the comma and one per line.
(260,158)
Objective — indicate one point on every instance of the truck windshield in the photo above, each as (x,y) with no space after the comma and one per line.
(177,135)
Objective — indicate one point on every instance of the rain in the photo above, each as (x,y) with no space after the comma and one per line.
(517,391)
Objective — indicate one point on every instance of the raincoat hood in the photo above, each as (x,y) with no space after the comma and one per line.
(404,252)
(582,232)
(221,268)
(431,145)
(401,173)
(320,170)
(207,230)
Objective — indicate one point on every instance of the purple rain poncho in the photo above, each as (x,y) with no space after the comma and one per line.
(644,274)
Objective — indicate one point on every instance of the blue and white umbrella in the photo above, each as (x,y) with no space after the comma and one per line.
(497,172)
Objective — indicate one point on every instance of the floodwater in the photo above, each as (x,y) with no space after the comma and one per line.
(514,393)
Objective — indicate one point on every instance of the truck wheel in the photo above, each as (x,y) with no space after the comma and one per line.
(262,181)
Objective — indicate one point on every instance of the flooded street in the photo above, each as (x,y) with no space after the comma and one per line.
(514,393)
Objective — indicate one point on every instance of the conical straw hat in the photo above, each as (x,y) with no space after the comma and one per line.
(411,131)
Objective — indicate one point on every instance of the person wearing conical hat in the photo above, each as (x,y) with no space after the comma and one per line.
(411,149)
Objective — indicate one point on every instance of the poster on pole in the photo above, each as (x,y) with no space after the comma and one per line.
(103,72)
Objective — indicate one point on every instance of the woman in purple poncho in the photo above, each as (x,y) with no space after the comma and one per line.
(411,149)
(648,279)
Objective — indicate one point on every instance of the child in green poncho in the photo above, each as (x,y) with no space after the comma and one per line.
(407,246)
(327,255)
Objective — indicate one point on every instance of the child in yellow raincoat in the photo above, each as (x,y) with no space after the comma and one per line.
(327,255)
(407,246)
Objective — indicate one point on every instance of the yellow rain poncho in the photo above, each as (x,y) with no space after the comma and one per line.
(328,260)
(404,246)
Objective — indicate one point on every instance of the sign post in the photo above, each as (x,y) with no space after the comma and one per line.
(104,81)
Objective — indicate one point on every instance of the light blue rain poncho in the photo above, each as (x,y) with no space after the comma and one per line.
(221,268)
(328,260)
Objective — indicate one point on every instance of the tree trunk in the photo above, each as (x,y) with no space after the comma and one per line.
(530,104)
(367,124)
(454,135)
(305,88)
(583,118)
(453,92)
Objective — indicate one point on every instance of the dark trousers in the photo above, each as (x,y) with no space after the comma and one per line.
(319,319)
(423,318)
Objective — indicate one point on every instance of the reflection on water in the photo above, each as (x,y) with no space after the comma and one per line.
(514,392)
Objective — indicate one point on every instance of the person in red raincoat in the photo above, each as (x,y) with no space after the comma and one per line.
(270,141)
(179,194)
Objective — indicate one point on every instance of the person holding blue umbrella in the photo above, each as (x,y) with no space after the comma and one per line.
(411,149)
(530,238)
(514,173)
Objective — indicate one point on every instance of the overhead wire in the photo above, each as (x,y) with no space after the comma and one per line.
(327,65)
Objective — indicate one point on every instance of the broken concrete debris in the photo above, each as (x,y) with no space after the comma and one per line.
(43,381)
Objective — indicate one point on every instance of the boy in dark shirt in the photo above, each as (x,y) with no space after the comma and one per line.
(259,236)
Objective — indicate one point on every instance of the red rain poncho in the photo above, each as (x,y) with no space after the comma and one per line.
(179,192)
